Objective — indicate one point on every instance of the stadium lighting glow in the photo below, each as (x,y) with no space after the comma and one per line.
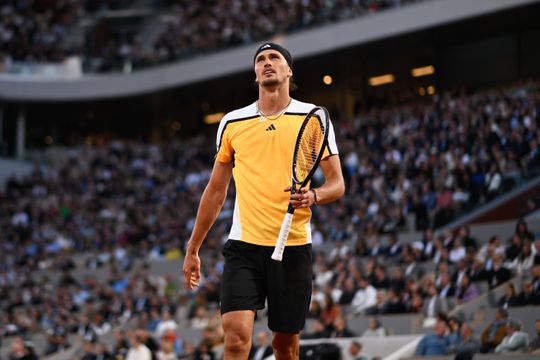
(175,126)
(431,89)
(213,118)
(381,79)
(422,91)
(423,71)
(48,140)
(327,80)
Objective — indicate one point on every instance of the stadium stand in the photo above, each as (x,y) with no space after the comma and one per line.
(36,32)
(73,234)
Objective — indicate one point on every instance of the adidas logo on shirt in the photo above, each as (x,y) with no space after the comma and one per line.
(271,127)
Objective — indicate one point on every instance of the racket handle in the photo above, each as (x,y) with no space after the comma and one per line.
(282,238)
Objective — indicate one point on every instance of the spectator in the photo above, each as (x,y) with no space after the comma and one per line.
(121,344)
(349,291)
(434,304)
(498,274)
(447,289)
(453,336)
(365,297)
(522,230)
(102,353)
(21,351)
(137,350)
(262,348)
(468,346)
(204,352)
(494,332)
(355,351)
(317,330)
(510,297)
(433,344)
(375,328)
(534,346)
(166,349)
(339,329)
(523,261)
(462,270)
(493,182)
(527,296)
(466,291)
(331,310)
(394,304)
(89,353)
(515,339)
(394,247)
(166,323)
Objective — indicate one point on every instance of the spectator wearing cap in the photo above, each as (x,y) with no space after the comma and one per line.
(515,340)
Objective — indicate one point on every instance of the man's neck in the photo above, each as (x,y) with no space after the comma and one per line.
(272,101)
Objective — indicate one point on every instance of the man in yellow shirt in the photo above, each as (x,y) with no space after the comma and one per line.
(255,145)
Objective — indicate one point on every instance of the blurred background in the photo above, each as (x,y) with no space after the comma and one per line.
(108,116)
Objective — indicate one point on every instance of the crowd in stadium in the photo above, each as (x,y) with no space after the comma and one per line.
(502,335)
(35,31)
(108,205)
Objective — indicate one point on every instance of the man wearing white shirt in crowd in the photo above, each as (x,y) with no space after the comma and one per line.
(515,339)
(365,297)
(137,349)
(166,323)
(458,251)
(262,349)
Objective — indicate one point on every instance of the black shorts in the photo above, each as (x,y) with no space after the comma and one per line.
(250,276)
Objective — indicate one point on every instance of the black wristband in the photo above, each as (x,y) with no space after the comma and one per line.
(314,195)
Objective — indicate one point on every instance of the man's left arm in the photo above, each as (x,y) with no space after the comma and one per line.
(334,186)
(332,189)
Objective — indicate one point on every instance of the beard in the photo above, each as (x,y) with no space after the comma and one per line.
(270,83)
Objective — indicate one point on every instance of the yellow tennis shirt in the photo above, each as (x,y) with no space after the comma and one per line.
(262,151)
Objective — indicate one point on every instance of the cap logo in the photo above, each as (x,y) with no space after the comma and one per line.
(266,46)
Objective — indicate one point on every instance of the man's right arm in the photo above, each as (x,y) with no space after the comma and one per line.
(211,203)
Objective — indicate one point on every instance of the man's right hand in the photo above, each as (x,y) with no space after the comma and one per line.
(192,269)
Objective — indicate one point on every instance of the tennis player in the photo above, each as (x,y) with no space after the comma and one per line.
(255,144)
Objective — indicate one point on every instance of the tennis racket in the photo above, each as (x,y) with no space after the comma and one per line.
(308,150)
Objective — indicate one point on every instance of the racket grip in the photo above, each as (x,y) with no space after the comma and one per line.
(282,238)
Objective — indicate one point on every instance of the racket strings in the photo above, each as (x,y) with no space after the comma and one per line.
(309,148)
